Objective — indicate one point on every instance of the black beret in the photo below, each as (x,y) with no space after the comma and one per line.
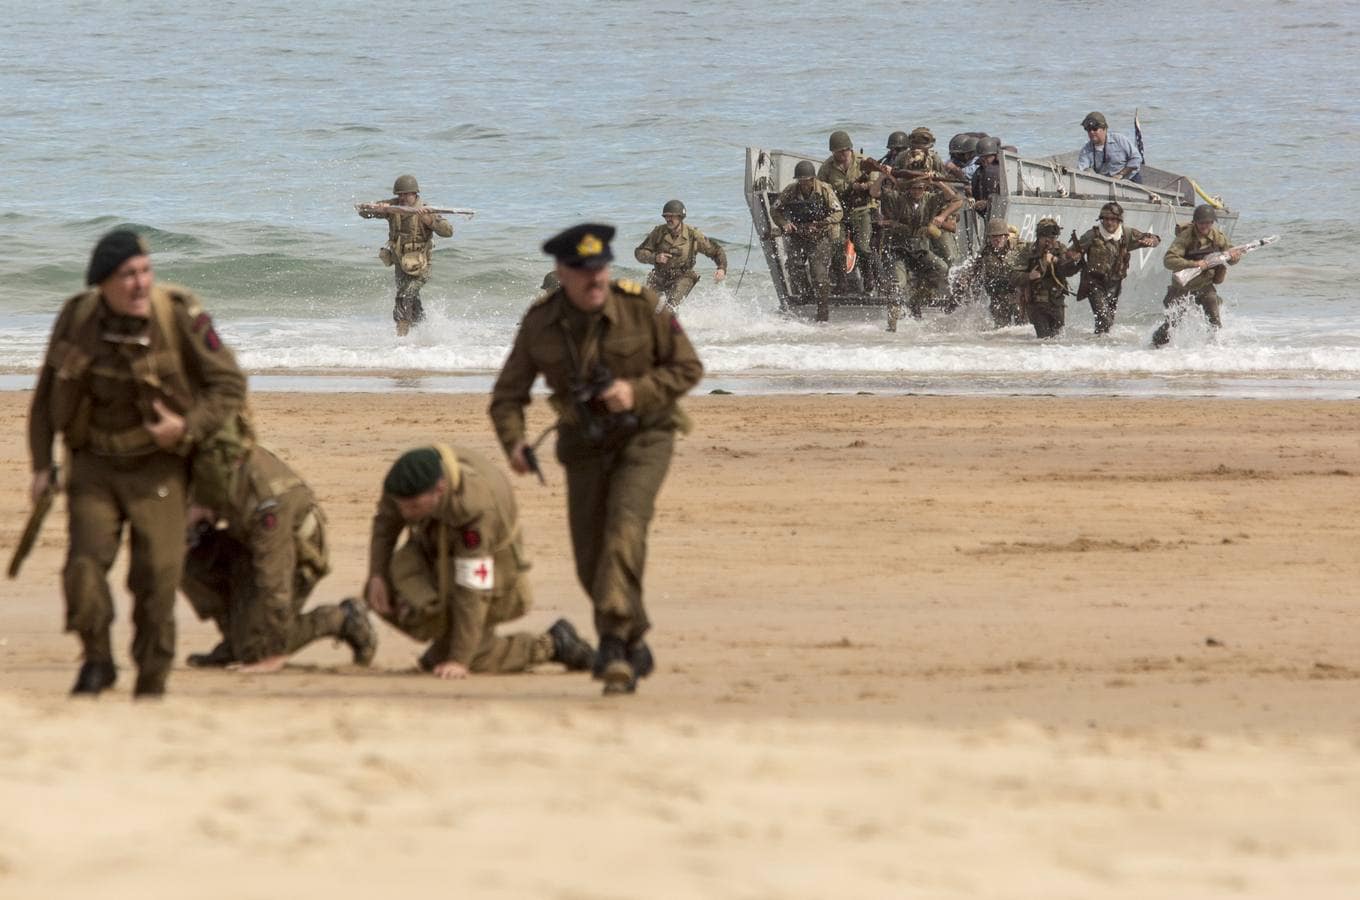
(414,472)
(583,246)
(113,249)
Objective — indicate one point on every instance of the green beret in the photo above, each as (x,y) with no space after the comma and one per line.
(113,249)
(414,473)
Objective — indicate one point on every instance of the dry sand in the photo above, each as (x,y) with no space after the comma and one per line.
(908,647)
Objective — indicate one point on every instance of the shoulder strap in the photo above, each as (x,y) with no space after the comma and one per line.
(163,309)
(452,470)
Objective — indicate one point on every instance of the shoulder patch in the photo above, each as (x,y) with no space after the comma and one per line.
(628,286)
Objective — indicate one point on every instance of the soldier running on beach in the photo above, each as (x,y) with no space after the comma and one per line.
(409,248)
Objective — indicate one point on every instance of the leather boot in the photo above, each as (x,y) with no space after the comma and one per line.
(613,668)
(94,677)
(216,658)
(569,648)
(358,632)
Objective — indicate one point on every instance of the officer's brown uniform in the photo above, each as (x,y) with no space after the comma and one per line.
(462,572)
(813,244)
(253,574)
(1104,265)
(100,376)
(674,279)
(613,473)
(1201,288)
(409,249)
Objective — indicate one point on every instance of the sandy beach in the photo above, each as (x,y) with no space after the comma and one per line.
(907,647)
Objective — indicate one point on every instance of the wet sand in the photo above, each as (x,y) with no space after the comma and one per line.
(907,646)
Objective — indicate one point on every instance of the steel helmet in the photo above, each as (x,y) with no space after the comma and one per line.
(405,184)
(805,169)
(673,208)
(997,227)
(897,140)
(921,137)
(840,140)
(1205,213)
(1048,227)
(988,146)
(1113,209)
(963,145)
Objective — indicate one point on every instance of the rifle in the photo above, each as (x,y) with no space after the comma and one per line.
(531,460)
(1215,258)
(437,210)
(34,524)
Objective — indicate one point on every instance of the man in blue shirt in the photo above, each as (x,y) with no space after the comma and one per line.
(1108,153)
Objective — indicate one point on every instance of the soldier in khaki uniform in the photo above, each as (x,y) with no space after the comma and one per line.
(463,570)
(1040,272)
(135,379)
(257,550)
(1105,251)
(912,218)
(409,248)
(991,271)
(616,366)
(809,214)
(1187,251)
(846,172)
(672,248)
(920,145)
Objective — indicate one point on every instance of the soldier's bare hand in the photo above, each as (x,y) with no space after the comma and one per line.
(518,464)
(663,258)
(376,596)
(39,487)
(450,669)
(1234,256)
(618,397)
(720,274)
(789,228)
(168,428)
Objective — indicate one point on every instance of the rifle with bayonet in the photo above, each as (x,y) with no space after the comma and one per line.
(1215,258)
(35,521)
(435,210)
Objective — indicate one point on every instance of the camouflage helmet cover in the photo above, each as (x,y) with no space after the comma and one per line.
(804,169)
(921,137)
(840,140)
(405,184)
(1114,209)
(1047,227)
(673,208)
(1205,213)
(897,140)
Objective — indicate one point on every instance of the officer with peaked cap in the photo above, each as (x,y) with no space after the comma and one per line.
(616,366)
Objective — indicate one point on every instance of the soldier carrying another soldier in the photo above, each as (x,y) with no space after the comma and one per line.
(137,381)
(463,571)
(409,247)
(672,248)
(257,549)
(914,217)
(616,365)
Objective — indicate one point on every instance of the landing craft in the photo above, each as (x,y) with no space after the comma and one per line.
(1031,190)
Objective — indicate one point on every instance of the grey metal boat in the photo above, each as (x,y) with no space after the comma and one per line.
(1032,188)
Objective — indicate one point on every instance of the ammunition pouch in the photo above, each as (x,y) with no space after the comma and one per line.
(385,254)
(309,543)
(415,257)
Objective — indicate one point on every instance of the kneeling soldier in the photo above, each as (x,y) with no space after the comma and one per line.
(257,548)
(462,571)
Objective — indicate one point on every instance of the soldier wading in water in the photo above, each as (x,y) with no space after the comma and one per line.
(410,243)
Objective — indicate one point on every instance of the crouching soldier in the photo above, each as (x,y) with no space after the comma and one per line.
(462,570)
(257,548)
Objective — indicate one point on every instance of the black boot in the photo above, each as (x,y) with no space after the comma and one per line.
(613,668)
(357,631)
(94,677)
(216,658)
(149,686)
(569,648)
(640,658)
